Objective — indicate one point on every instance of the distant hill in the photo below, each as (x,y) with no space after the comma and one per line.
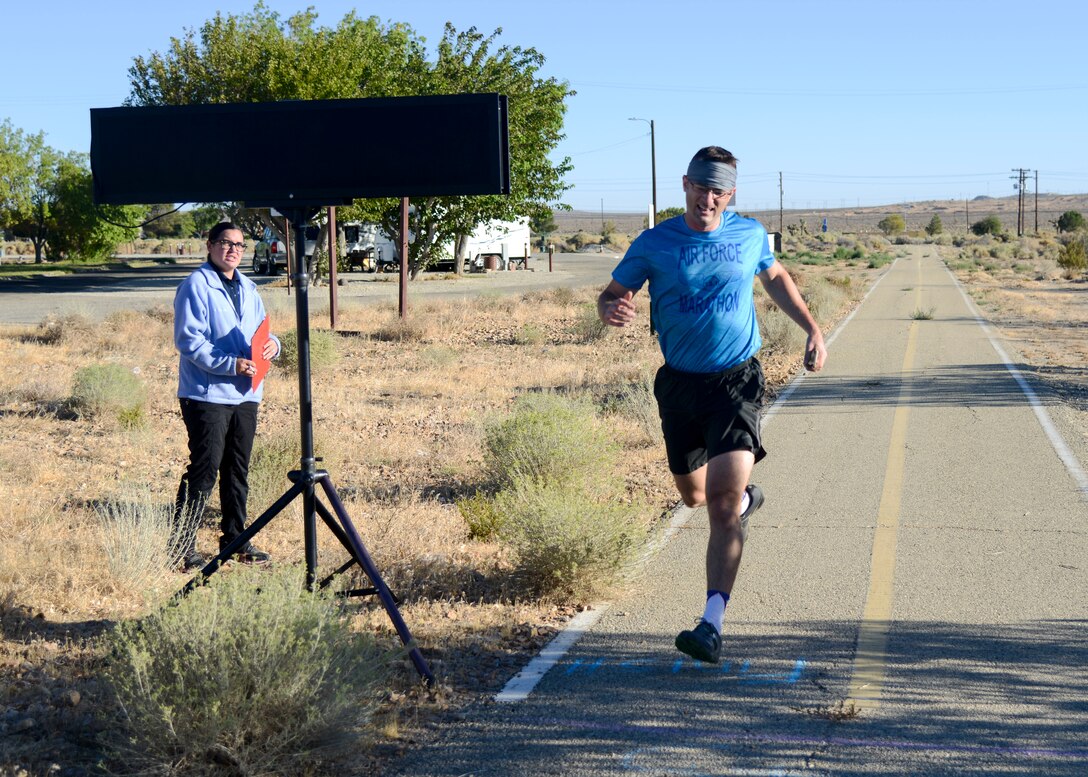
(955,215)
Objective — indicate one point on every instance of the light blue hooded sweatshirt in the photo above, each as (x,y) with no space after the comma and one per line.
(211,337)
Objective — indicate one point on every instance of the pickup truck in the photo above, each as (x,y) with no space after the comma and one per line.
(270,253)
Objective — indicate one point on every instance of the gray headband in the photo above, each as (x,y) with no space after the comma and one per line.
(713,175)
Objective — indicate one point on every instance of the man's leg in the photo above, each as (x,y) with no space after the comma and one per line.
(722,483)
(726,478)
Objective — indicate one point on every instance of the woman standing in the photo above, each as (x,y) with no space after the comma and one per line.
(217,310)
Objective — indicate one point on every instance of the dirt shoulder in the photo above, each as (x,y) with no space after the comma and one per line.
(1043,321)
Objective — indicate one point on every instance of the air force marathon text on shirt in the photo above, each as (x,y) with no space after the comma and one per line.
(700,289)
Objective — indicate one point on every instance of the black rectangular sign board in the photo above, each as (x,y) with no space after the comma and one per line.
(319,152)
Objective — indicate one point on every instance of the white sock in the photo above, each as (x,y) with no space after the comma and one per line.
(745,500)
(715,609)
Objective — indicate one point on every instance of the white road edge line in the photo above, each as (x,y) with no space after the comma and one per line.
(522,684)
(1072,465)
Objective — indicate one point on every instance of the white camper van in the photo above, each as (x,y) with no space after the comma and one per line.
(497,245)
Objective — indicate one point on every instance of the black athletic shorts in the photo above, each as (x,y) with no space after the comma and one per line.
(707,414)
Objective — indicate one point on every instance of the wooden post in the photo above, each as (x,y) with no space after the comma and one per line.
(403,257)
(332,266)
(287,248)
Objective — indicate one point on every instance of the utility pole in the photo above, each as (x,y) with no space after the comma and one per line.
(780,202)
(1021,175)
(653,168)
(1036,202)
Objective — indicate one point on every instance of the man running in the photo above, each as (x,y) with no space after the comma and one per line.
(700,267)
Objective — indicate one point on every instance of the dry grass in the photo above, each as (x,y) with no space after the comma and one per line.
(399,418)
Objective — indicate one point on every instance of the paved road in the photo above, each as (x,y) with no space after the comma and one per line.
(912,599)
(97,294)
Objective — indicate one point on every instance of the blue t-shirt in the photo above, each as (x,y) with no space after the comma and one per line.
(701,298)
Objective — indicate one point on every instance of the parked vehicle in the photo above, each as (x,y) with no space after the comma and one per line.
(498,245)
(270,253)
(368,249)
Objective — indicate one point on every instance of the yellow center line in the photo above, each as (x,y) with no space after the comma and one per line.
(867,678)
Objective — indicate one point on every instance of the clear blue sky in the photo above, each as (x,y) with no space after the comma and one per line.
(854,101)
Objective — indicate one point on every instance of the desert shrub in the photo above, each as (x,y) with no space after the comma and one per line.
(587,326)
(323,349)
(892,224)
(562,295)
(437,356)
(482,516)
(880,259)
(59,329)
(779,331)
(566,546)
(635,401)
(805,257)
(934,227)
(105,390)
(842,253)
(580,239)
(139,539)
(1070,221)
(1073,258)
(401,330)
(530,334)
(617,242)
(991,225)
(250,674)
(274,455)
(552,440)
(823,299)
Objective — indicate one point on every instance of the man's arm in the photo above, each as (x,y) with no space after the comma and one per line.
(783,291)
(615,305)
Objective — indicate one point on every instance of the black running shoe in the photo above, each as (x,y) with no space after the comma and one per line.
(250,554)
(193,560)
(703,643)
(755,501)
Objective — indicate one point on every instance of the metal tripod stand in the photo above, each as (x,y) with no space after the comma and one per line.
(308,477)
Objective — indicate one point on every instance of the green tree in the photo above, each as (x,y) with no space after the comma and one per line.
(207,216)
(469,61)
(28,170)
(77,227)
(168,222)
(260,57)
(1070,221)
(934,227)
(669,213)
(991,225)
(892,224)
(543,225)
(1073,257)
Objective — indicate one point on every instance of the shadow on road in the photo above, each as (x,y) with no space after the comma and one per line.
(1006,698)
(959,385)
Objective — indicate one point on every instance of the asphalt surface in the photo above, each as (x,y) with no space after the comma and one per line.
(912,598)
(96,294)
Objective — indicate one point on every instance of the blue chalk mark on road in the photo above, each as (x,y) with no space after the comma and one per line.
(743,673)
(646,760)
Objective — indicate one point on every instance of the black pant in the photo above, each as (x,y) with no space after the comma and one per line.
(220,442)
